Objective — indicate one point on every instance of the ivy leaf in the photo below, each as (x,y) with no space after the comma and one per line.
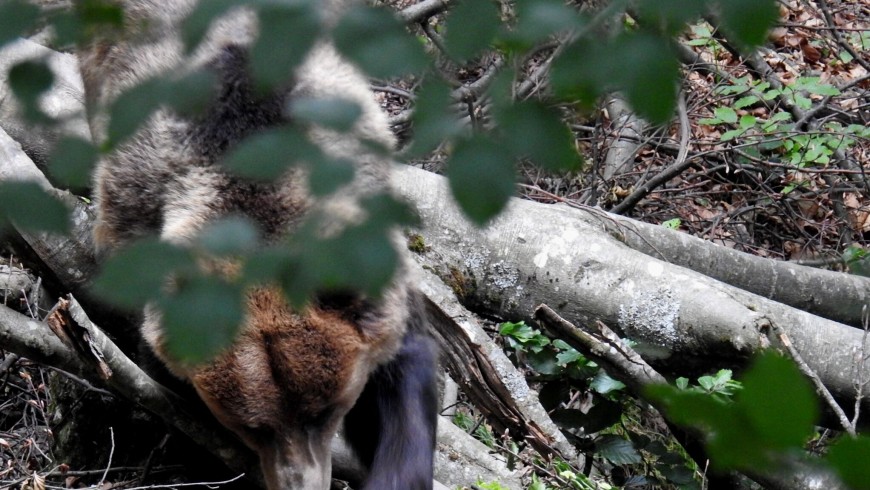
(617,450)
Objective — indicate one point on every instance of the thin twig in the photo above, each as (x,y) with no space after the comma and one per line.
(821,389)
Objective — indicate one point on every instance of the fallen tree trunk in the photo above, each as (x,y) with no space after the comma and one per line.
(570,259)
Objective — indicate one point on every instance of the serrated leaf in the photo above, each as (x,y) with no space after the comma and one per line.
(137,274)
(747,21)
(726,114)
(30,207)
(730,135)
(747,121)
(534,131)
(336,113)
(471,28)
(481,175)
(72,161)
(201,318)
(378,43)
(745,101)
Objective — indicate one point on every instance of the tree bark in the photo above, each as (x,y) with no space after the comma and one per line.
(569,258)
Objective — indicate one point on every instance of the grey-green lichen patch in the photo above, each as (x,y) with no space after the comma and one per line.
(652,316)
(503,276)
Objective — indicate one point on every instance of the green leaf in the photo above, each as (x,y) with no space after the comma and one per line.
(471,27)
(132,108)
(287,31)
(481,174)
(532,130)
(617,450)
(196,24)
(229,236)
(378,43)
(747,21)
(137,274)
(672,224)
(542,360)
(190,95)
(670,16)
(731,134)
(568,356)
(779,402)
(336,113)
(72,161)
(745,101)
(726,114)
(601,416)
(539,19)
(30,207)
(29,80)
(268,154)
(604,384)
(328,175)
(849,458)
(432,120)
(16,18)
(584,71)
(747,121)
(201,318)
(651,83)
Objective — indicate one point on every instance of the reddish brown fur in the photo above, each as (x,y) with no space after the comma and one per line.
(303,361)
